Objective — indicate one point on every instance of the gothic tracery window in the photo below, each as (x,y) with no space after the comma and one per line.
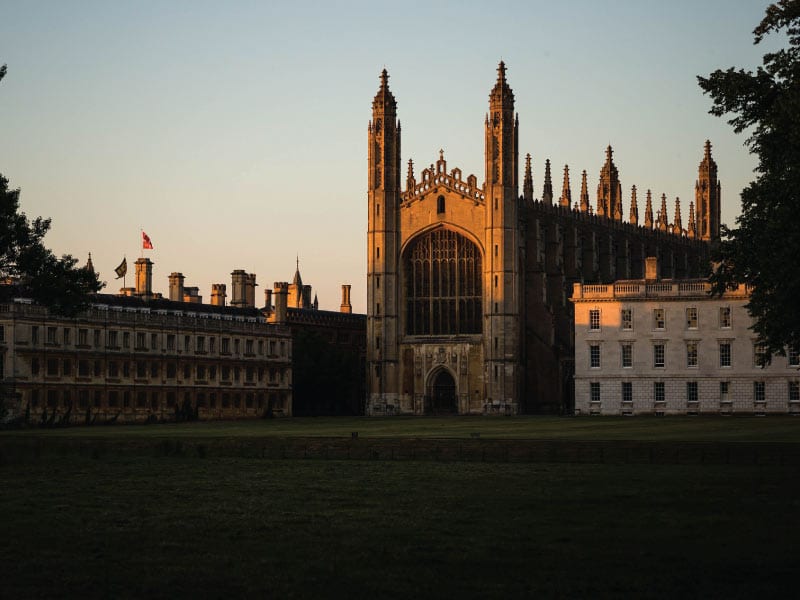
(443,285)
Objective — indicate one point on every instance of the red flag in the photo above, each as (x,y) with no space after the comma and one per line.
(146,243)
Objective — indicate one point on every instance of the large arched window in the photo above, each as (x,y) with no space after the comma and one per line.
(443,285)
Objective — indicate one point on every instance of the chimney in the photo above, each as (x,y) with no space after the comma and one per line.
(144,278)
(268,299)
(176,287)
(192,295)
(238,288)
(218,294)
(346,307)
(651,268)
(250,290)
(281,292)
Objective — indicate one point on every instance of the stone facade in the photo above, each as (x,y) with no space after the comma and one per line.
(667,347)
(468,283)
(129,360)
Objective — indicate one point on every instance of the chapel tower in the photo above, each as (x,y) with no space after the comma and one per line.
(707,192)
(609,190)
(383,246)
(503,242)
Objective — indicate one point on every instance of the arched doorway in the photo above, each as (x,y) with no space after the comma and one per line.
(442,397)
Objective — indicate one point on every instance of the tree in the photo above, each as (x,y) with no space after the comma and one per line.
(763,250)
(29,268)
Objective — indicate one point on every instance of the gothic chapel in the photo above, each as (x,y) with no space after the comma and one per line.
(468,283)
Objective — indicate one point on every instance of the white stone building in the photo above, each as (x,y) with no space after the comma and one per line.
(666,347)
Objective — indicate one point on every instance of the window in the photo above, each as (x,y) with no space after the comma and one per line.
(691,317)
(691,354)
(154,341)
(113,369)
(658,391)
(658,356)
(83,368)
(96,338)
(34,334)
(126,369)
(794,391)
(141,369)
(97,368)
(794,356)
(724,387)
(66,335)
(627,391)
(111,339)
(200,343)
(594,357)
(627,355)
(154,370)
(66,367)
(724,354)
(759,355)
(248,347)
(140,341)
(725,317)
(187,343)
(659,321)
(187,372)
(201,372)
(51,335)
(83,337)
(34,366)
(171,370)
(444,289)
(691,391)
(594,391)
(212,344)
(626,317)
(170,341)
(261,347)
(759,394)
(126,339)
(440,205)
(236,346)
(226,345)
(594,320)
(52,367)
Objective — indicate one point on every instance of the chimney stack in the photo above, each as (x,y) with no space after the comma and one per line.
(346,307)
(176,287)
(238,288)
(218,294)
(651,268)
(144,278)
(250,290)
(192,295)
(268,299)
(281,292)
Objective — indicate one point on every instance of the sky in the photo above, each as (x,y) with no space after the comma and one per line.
(235,133)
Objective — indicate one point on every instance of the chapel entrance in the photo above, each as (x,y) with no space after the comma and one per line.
(442,394)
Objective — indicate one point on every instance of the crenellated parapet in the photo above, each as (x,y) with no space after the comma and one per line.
(437,176)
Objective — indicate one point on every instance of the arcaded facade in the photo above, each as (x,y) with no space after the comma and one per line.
(468,282)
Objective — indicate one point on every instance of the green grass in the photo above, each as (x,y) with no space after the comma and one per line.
(756,429)
(174,526)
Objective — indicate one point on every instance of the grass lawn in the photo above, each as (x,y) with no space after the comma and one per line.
(772,429)
(178,526)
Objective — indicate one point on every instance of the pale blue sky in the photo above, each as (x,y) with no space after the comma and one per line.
(234,133)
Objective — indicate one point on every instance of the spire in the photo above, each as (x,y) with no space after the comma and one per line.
(584,194)
(634,213)
(648,212)
(609,190)
(663,219)
(410,181)
(566,194)
(547,193)
(527,184)
(384,98)
(677,226)
(691,229)
(707,197)
(501,92)
(89,265)
(315,305)
(297,279)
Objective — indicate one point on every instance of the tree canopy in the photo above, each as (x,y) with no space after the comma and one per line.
(763,249)
(29,268)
